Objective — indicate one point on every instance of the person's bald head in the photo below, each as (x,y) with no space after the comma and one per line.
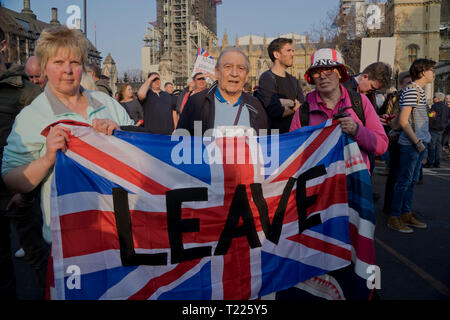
(33,71)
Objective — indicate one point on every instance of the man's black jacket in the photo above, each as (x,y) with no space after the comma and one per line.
(441,116)
(16,92)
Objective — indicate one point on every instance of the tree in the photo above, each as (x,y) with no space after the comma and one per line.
(343,29)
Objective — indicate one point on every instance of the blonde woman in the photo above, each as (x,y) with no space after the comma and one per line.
(28,158)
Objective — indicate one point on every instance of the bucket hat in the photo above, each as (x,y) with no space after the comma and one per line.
(327,57)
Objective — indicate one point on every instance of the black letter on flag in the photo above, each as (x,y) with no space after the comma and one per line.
(239,208)
(272,231)
(123,224)
(176,226)
(303,202)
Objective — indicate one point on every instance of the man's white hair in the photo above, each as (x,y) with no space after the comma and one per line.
(440,96)
(233,49)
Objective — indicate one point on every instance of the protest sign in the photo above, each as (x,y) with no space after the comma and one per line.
(204,63)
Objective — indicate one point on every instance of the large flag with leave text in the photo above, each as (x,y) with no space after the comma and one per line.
(143,216)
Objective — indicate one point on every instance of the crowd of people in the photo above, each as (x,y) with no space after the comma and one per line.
(58,84)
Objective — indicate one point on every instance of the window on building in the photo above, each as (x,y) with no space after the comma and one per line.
(413,51)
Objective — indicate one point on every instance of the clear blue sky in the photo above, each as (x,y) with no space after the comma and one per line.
(121,24)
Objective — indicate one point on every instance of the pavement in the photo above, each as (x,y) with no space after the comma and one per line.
(412,266)
(416,266)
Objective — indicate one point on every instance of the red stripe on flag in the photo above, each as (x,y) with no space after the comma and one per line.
(236,279)
(88,232)
(332,191)
(293,168)
(211,223)
(237,259)
(111,164)
(334,54)
(94,231)
(323,246)
(328,194)
(364,247)
(163,280)
(50,277)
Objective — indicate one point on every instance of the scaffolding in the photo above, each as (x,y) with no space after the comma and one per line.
(185,25)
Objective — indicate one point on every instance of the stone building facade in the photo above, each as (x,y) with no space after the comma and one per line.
(255,47)
(110,70)
(22,29)
(416,25)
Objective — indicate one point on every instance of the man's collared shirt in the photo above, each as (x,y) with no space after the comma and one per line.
(225,113)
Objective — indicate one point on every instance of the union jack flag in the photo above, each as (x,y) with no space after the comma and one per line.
(204,53)
(319,194)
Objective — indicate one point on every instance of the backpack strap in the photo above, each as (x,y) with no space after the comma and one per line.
(356,101)
(304,114)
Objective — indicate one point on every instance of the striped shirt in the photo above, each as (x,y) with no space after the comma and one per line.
(409,98)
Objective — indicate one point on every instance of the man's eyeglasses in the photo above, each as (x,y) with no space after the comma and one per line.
(202,78)
(325,71)
(372,88)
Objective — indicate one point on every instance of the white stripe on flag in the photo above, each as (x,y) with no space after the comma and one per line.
(56,252)
(179,280)
(274,189)
(298,252)
(135,281)
(217,266)
(86,201)
(256,269)
(365,227)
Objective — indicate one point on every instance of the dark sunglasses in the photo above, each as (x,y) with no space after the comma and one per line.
(326,71)
(201,78)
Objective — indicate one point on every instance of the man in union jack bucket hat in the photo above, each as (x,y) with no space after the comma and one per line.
(324,58)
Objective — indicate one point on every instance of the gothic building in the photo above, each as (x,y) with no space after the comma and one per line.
(416,25)
(181,27)
(109,69)
(22,29)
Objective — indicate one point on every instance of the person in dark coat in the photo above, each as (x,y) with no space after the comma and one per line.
(17,92)
(439,117)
